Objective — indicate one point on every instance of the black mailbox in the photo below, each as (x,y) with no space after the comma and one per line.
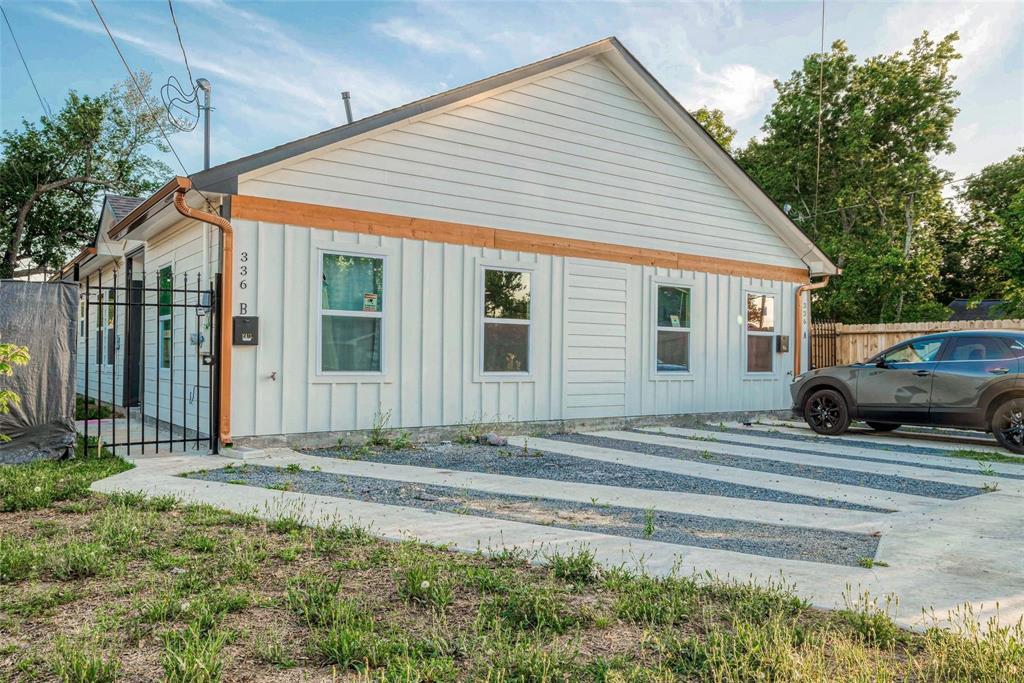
(245,330)
(782,343)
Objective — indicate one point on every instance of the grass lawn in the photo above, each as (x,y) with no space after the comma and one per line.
(96,588)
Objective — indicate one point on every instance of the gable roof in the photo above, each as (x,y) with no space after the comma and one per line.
(224,177)
(121,206)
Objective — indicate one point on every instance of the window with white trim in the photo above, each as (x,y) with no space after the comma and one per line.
(165,315)
(351,313)
(506,321)
(760,332)
(672,329)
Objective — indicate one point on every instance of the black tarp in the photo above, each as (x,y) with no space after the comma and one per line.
(41,316)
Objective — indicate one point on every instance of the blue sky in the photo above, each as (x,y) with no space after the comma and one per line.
(278,68)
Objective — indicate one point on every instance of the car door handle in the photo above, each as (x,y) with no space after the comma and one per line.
(922,373)
(999,371)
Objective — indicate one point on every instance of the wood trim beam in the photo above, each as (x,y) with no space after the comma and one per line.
(300,214)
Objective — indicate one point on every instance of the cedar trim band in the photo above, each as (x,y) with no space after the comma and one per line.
(389,225)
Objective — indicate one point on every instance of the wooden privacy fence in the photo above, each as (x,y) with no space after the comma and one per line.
(838,344)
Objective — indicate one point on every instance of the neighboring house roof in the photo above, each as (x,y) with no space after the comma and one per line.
(121,206)
(986,309)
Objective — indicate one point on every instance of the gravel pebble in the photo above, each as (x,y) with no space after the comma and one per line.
(772,540)
(882,482)
(556,466)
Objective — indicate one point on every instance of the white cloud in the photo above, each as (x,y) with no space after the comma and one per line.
(404,31)
(987,29)
(739,90)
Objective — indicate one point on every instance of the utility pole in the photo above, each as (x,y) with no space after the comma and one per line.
(205,86)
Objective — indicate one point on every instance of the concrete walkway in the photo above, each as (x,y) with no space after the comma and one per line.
(941,553)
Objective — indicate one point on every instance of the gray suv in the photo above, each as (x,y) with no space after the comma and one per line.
(971,380)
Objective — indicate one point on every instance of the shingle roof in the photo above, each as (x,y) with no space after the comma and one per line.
(986,309)
(121,206)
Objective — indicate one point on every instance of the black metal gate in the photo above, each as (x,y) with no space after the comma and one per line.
(824,339)
(147,379)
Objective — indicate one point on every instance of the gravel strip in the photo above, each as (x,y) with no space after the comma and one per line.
(559,467)
(839,441)
(882,482)
(772,540)
(736,440)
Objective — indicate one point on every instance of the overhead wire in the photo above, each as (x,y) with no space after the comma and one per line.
(144,98)
(954,181)
(42,102)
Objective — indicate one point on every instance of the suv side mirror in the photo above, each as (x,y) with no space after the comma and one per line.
(880,363)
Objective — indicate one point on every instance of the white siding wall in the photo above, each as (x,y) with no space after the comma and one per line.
(592,335)
(574,154)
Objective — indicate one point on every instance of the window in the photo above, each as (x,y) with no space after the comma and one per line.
(165,313)
(921,351)
(978,349)
(81,318)
(672,329)
(111,333)
(351,313)
(760,332)
(100,325)
(506,321)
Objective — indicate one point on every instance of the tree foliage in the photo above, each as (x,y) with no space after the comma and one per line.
(714,123)
(872,199)
(987,260)
(10,355)
(52,173)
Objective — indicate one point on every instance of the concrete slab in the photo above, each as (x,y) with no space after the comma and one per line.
(913,438)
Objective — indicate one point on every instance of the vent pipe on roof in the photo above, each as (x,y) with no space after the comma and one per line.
(346,96)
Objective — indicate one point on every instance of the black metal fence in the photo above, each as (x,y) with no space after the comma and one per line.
(824,340)
(147,379)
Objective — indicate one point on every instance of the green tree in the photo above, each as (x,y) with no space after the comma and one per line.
(987,260)
(52,174)
(714,123)
(872,197)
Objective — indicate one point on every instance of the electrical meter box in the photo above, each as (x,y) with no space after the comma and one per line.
(245,330)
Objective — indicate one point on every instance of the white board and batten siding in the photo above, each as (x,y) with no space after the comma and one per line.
(573,153)
(591,339)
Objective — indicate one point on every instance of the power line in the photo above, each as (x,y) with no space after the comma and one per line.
(180,43)
(954,181)
(42,102)
(142,95)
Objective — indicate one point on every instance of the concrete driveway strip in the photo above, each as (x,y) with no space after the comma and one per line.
(779,482)
(766,453)
(668,501)
(935,571)
(701,437)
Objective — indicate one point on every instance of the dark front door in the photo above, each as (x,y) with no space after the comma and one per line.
(898,388)
(968,369)
(133,351)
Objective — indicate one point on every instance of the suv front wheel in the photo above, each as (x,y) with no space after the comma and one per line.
(826,412)
(1008,425)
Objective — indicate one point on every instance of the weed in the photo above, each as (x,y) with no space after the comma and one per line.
(270,647)
(654,601)
(986,469)
(648,522)
(18,559)
(990,488)
(870,563)
(378,434)
(424,582)
(36,603)
(193,656)
(40,484)
(578,567)
(77,560)
(984,456)
(82,663)
(872,624)
(529,607)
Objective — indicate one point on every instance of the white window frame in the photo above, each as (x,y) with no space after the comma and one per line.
(657,283)
(320,252)
(747,293)
(483,374)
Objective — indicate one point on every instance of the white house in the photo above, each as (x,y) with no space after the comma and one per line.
(557,242)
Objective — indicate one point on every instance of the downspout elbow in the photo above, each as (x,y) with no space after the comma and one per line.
(799,319)
(224,352)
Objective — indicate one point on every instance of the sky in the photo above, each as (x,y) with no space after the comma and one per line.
(278,68)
